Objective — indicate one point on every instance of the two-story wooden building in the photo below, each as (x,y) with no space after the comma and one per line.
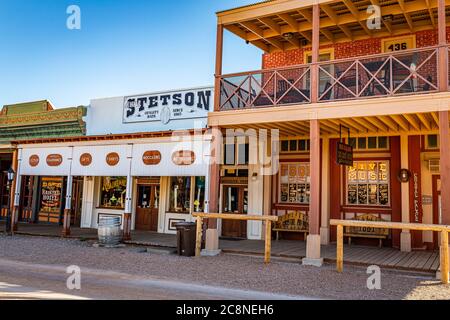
(370,73)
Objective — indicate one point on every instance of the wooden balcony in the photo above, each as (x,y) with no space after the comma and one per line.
(408,72)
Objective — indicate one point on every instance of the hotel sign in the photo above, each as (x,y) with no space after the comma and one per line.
(344,154)
(168,106)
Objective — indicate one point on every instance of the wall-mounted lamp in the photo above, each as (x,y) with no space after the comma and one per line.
(254,176)
(404,175)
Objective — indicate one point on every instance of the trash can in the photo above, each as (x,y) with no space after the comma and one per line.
(186,233)
(109,233)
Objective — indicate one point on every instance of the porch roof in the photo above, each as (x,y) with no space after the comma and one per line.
(280,25)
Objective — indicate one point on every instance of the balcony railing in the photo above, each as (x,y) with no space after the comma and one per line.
(400,73)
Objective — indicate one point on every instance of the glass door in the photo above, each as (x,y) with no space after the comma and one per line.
(235,201)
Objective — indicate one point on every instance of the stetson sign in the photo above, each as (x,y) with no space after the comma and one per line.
(54,160)
(168,106)
(151,158)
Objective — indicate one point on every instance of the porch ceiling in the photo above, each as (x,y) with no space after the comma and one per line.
(383,125)
(279,27)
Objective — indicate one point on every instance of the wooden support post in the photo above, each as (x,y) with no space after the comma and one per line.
(198,238)
(268,242)
(315,54)
(444,140)
(218,69)
(68,207)
(340,249)
(444,257)
(443,51)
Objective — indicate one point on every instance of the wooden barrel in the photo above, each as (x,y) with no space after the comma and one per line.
(109,233)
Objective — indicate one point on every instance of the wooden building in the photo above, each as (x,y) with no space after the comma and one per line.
(31,120)
(372,74)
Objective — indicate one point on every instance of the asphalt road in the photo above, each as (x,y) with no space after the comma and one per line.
(19,280)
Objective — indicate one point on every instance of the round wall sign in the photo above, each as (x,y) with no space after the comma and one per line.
(112,159)
(183,157)
(85,159)
(54,160)
(151,158)
(33,160)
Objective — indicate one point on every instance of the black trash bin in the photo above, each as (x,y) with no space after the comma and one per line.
(186,234)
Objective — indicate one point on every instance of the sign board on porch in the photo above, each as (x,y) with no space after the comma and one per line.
(167,106)
(344,154)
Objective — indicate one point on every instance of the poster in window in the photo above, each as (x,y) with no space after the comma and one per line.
(292,193)
(362,194)
(352,194)
(51,190)
(284,192)
(383,194)
(373,192)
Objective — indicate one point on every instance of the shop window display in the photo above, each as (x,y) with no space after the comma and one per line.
(295,183)
(368,183)
(112,192)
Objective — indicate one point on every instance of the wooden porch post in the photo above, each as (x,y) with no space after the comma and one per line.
(313,239)
(443,51)
(12,208)
(68,207)
(444,140)
(212,235)
(128,198)
(218,69)
(315,53)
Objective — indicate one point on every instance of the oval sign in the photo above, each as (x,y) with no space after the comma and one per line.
(33,160)
(112,159)
(54,160)
(183,157)
(85,159)
(151,158)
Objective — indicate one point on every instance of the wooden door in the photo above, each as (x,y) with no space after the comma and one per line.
(235,201)
(147,207)
(77,200)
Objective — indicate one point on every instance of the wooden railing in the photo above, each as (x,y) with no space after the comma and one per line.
(242,217)
(398,73)
(443,229)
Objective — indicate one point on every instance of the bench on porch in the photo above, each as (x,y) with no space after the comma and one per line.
(367,232)
(296,221)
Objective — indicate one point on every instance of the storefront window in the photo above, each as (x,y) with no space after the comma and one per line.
(199,194)
(368,183)
(112,192)
(180,194)
(295,183)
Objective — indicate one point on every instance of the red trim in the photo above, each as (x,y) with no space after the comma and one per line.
(414,147)
(436,193)
(396,189)
(335,187)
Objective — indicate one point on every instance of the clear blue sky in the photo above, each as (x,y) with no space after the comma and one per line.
(123,47)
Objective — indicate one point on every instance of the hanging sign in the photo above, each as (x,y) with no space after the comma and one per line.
(54,160)
(168,106)
(344,154)
(151,158)
(183,158)
(33,160)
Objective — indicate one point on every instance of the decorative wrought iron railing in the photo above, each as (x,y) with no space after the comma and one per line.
(398,73)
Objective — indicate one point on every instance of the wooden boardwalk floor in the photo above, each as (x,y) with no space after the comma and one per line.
(425,261)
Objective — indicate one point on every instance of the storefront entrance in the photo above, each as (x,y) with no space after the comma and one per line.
(147,207)
(77,200)
(235,201)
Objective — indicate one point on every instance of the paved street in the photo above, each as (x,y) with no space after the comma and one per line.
(35,268)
